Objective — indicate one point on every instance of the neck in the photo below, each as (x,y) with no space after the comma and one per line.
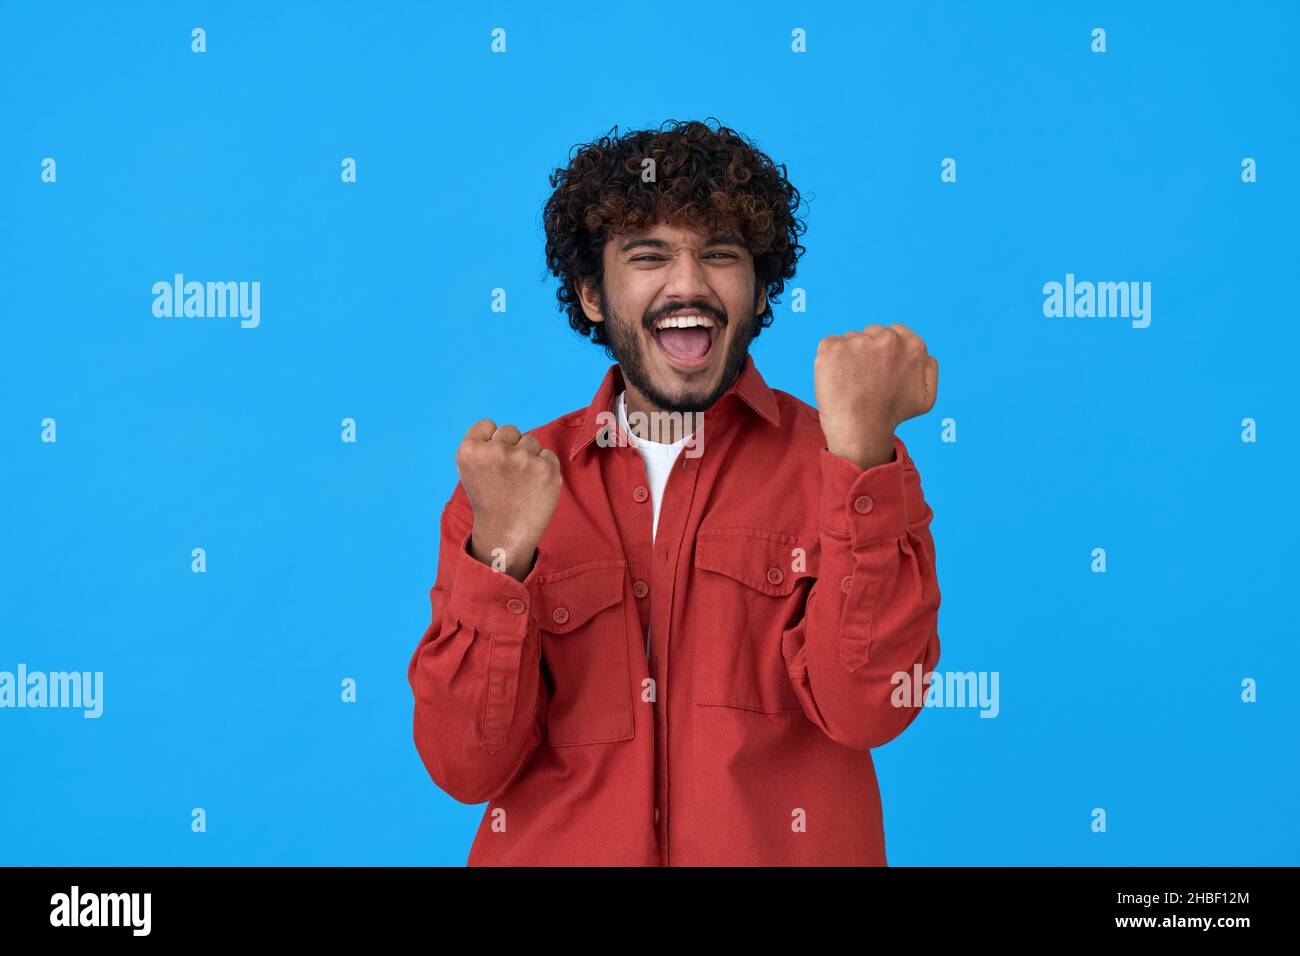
(648,421)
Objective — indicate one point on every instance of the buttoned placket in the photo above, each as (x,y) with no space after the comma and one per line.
(633,507)
(674,514)
(655,596)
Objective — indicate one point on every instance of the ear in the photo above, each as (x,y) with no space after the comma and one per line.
(590,300)
(762,301)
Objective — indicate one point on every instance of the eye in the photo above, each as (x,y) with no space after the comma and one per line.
(646,257)
(727,255)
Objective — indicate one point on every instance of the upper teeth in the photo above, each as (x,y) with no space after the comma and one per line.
(684,322)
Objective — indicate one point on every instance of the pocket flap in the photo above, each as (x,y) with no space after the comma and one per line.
(567,599)
(767,561)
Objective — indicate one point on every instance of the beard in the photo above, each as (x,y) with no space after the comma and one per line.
(624,347)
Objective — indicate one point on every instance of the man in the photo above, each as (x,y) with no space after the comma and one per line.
(666,626)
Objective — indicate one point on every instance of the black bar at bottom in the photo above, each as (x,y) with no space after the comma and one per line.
(455,907)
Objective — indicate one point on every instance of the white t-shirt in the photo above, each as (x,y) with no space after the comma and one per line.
(658,457)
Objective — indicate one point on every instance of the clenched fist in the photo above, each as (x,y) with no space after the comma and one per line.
(867,383)
(513,484)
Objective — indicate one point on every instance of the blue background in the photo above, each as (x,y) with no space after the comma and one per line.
(1118,690)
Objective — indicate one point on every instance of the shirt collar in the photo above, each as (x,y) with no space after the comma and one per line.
(748,387)
(646,445)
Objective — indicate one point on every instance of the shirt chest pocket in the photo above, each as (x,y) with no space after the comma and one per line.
(753,588)
(582,617)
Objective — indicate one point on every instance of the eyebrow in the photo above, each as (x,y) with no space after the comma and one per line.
(727,240)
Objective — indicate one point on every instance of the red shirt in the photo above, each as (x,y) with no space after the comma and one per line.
(784,589)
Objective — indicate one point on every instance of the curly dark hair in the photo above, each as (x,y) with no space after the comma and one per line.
(705,179)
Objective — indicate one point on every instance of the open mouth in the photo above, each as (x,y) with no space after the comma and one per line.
(686,338)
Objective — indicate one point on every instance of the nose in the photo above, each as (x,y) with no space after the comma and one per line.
(686,279)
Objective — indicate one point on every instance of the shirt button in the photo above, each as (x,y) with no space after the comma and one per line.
(640,493)
(774,576)
(640,589)
(863,504)
(560,615)
(847,584)
(515,606)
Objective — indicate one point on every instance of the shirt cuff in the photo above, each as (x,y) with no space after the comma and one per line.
(864,505)
(489,600)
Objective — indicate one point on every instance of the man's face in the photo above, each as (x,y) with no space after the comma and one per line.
(679,311)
